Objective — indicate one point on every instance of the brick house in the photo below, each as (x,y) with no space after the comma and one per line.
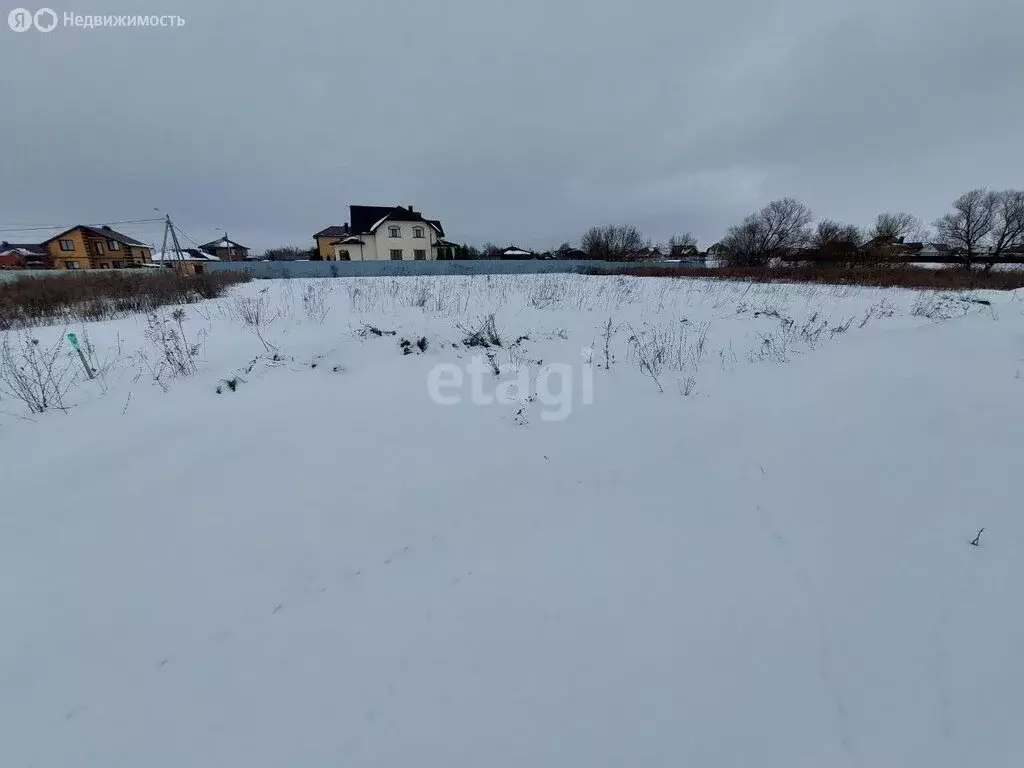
(86,247)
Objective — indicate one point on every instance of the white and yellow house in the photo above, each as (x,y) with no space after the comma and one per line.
(382,233)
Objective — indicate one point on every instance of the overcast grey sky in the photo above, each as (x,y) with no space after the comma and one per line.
(510,120)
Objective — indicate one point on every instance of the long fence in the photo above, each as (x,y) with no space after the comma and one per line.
(286,269)
(299,269)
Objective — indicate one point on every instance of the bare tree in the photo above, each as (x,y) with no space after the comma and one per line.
(967,228)
(773,232)
(687,238)
(615,242)
(288,253)
(895,226)
(1008,229)
(834,234)
(490,251)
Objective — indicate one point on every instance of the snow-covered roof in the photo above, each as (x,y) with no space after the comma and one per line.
(517,252)
(187,254)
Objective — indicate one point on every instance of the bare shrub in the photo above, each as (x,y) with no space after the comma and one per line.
(649,349)
(881,310)
(314,301)
(37,375)
(607,333)
(105,295)
(687,386)
(546,292)
(175,355)
(101,365)
(940,306)
(420,294)
(486,335)
(372,330)
(255,313)
(871,275)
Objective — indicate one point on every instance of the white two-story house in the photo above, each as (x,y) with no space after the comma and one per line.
(381,233)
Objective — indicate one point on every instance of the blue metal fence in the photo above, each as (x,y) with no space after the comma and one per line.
(286,269)
(298,269)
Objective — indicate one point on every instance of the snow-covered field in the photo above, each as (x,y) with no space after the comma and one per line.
(714,524)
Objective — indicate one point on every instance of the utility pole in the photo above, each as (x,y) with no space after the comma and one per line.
(169,230)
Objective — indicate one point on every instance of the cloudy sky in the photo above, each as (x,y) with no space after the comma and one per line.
(510,120)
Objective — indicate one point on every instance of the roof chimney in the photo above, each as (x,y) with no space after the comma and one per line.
(106,227)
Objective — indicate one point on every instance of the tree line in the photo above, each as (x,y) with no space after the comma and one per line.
(982,226)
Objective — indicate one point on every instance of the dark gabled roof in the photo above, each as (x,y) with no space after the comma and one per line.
(337,230)
(224,242)
(104,232)
(366,218)
(571,253)
(515,252)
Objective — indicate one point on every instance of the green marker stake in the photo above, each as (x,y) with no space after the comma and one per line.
(73,340)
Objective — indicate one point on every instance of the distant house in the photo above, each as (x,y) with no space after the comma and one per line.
(894,249)
(936,253)
(189,261)
(515,252)
(87,247)
(684,252)
(226,249)
(571,253)
(381,233)
(23,256)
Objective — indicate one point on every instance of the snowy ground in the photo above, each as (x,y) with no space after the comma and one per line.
(767,563)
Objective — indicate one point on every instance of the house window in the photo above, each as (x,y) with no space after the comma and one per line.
(420,255)
(67,245)
(104,265)
(417,231)
(394,231)
(113,245)
(343,256)
(396,254)
(70,265)
(98,247)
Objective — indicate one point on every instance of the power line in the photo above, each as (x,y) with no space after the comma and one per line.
(188,236)
(37,228)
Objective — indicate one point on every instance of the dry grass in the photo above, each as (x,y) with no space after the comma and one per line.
(878,276)
(104,295)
